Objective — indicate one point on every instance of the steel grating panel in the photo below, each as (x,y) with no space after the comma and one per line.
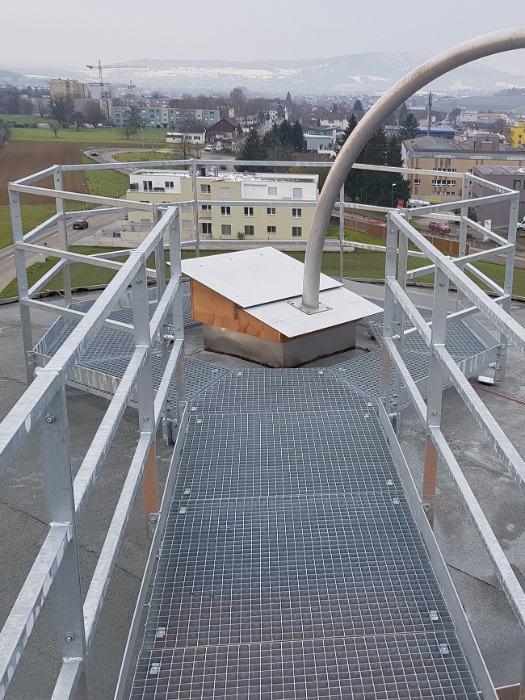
(291,566)
(238,571)
(385,667)
(268,455)
(278,391)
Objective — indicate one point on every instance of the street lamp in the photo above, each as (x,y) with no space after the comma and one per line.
(392,198)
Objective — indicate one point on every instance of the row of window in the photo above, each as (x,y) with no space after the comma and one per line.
(249,230)
(297,192)
(248,211)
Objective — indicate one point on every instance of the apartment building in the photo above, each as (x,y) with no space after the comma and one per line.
(446,158)
(286,209)
(164,117)
(516,135)
(68,88)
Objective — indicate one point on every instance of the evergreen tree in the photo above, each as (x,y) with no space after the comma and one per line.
(409,129)
(298,140)
(340,141)
(286,134)
(403,111)
(358,106)
(252,150)
(399,187)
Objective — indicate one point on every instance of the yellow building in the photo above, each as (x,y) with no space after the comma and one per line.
(68,88)
(516,135)
(449,160)
(230,205)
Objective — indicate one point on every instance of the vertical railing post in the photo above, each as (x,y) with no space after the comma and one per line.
(388,319)
(62,235)
(435,390)
(145,394)
(23,285)
(195,208)
(177,312)
(399,315)
(60,503)
(501,361)
(341,231)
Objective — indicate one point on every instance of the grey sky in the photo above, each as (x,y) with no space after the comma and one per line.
(72,33)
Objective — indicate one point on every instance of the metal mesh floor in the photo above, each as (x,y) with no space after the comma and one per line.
(290,565)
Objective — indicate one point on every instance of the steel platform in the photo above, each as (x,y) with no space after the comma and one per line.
(291,566)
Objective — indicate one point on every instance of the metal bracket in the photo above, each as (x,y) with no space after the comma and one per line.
(152,522)
(308,309)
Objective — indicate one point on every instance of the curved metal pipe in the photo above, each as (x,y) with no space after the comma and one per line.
(486,45)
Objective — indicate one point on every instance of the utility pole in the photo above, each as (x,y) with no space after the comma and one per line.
(429,112)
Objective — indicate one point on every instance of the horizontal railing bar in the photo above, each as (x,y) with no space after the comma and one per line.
(420,271)
(76,197)
(490,185)
(98,211)
(46,277)
(106,560)
(28,605)
(411,386)
(506,576)
(28,179)
(68,312)
(378,248)
(486,232)
(42,228)
(167,377)
(483,417)
(99,447)
(68,255)
(482,254)
(485,279)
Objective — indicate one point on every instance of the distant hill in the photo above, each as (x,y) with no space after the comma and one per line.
(352,74)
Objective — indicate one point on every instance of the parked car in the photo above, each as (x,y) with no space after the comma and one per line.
(80,224)
(439,226)
(208,148)
(94,153)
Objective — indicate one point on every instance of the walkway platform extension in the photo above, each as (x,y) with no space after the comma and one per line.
(291,566)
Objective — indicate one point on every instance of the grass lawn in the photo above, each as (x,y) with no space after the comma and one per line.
(90,137)
(105,183)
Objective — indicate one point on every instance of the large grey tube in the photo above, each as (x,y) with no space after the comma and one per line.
(481,46)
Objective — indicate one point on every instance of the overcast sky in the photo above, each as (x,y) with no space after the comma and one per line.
(72,33)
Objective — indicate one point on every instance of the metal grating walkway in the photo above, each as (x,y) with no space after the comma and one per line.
(291,566)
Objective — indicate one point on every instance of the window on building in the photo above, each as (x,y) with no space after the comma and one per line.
(147,185)
(248,211)
(517,185)
(270,211)
(226,230)
(249,230)
(297,193)
(206,227)
(296,213)
(205,189)
(272,190)
(169,183)
(206,207)
(271,229)
(297,231)
(225,211)
(187,225)
(417,181)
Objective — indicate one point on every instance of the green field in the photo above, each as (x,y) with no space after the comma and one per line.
(32,215)
(25,119)
(105,183)
(90,137)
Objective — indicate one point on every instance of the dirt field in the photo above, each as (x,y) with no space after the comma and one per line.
(19,158)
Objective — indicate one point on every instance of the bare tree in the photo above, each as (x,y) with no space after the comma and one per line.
(55,128)
(42,106)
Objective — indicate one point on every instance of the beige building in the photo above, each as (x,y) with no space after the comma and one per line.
(68,88)
(446,158)
(230,206)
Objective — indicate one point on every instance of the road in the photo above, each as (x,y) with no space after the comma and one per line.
(7,255)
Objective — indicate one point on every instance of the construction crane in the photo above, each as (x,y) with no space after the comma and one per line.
(99,67)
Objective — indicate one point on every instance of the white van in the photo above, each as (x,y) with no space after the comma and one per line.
(209,147)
